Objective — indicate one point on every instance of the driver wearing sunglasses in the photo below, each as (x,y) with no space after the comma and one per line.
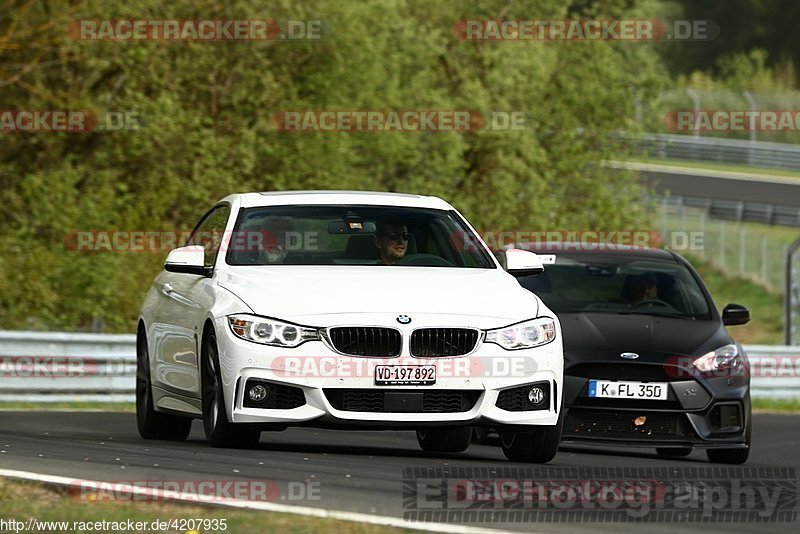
(391,239)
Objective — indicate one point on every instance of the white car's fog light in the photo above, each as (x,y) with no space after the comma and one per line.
(258,393)
(535,395)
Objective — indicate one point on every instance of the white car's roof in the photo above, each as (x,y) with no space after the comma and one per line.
(369,198)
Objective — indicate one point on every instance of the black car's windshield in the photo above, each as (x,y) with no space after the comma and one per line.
(353,235)
(625,283)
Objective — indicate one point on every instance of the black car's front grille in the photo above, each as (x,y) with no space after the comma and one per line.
(652,372)
(375,400)
(366,341)
(278,397)
(436,342)
(651,426)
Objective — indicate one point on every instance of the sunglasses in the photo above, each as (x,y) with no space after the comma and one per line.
(397,236)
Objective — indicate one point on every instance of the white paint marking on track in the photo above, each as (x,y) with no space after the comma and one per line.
(161,495)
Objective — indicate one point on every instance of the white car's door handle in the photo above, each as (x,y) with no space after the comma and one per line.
(167,288)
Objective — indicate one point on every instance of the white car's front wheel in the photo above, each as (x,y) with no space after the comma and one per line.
(220,432)
(538,445)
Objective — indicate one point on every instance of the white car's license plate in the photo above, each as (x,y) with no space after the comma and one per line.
(405,375)
(628,390)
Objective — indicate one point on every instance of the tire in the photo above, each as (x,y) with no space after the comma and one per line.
(538,445)
(728,456)
(152,424)
(454,439)
(734,456)
(674,453)
(220,432)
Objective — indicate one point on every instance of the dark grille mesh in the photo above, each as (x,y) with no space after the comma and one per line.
(372,400)
(433,342)
(366,341)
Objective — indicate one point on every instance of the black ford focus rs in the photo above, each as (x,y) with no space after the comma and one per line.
(648,360)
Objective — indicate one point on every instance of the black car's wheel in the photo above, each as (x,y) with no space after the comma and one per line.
(220,432)
(728,456)
(454,439)
(735,456)
(536,445)
(152,424)
(676,452)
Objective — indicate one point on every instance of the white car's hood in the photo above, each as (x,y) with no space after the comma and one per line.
(297,292)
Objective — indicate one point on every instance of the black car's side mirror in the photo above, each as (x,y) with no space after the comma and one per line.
(733,314)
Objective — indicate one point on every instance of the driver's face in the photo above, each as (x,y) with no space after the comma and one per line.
(391,244)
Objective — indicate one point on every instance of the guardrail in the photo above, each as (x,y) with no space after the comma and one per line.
(718,149)
(65,367)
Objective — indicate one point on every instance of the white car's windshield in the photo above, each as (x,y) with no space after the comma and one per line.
(354,235)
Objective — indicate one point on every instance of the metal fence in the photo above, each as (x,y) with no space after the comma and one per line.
(729,236)
(59,367)
(716,149)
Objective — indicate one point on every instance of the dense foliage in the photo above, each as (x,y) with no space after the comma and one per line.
(207,130)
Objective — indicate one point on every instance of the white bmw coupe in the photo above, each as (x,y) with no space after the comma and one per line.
(351,310)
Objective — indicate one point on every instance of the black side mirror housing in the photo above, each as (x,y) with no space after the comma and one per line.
(733,314)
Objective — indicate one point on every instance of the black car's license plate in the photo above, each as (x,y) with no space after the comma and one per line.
(405,375)
(610,389)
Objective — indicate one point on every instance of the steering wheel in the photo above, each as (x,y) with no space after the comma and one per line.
(424,260)
(653,302)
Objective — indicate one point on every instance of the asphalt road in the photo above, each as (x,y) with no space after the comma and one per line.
(776,191)
(362,471)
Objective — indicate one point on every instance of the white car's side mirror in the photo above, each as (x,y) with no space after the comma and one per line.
(522,262)
(188,260)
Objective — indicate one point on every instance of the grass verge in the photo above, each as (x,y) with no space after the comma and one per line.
(712,166)
(766,307)
(776,405)
(21,500)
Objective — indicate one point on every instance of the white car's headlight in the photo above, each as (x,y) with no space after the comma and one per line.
(723,358)
(524,335)
(270,331)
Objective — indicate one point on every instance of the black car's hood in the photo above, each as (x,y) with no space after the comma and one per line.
(603,336)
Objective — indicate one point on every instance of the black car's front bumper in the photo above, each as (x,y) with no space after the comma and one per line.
(708,414)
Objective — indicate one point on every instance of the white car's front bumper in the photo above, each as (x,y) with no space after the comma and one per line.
(322,374)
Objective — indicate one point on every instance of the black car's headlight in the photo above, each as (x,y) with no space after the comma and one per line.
(722,359)
(271,331)
(524,335)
